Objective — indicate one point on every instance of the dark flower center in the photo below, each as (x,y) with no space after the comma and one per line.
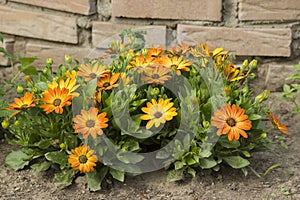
(83,159)
(107,84)
(90,123)
(231,122)
(93,75)
(156,76)
(57,102)
(24,106)
(158,115)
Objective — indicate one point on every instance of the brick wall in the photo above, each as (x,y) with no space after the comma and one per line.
(266,30)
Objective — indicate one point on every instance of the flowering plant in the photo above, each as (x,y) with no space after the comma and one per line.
(135,110)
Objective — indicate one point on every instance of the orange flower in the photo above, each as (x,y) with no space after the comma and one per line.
(83,159)
(176,63)
(140,62)
(156,74)
(90,123)
(277,124)
(108,82)
(91,72)
(158,112)
(231,121)
(155,52)
(55,99)
(179,49)
(22,103)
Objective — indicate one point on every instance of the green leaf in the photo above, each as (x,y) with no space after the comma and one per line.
(64,179)
(178,165)
(58,157)
(130,158)
(40,167)
(28,70)
(44,144)
(228,144)
(293,77)
(236,162)
(254,117)
(41,86)
(116,174)
(271,168)
(246,153)
(17,160)
(175,175)
(207,163)
(95,178)
(25,61)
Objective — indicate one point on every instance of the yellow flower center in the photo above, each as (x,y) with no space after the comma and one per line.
(83,159)
(56,102)
(107,84)
(24,106)
(231,122)
(90,123)
(158,115)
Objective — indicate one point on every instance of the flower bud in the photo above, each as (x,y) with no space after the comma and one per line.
(68,59)
(34,89)
(44,70)
(62,145)
(245,65)
(20,89)
(264,135)
(227,90)
(144,52)
(251,76)
(128,57)
(28,80)
(155,91)
(16,123)
(245,90)
(253,64)
(263,96)
(122,48)
(49,61)
(5,124)
(206,124)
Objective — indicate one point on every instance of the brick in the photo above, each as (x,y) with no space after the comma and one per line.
(54,51)
(85,7)
(38,25)
(246,41)
(272,75)
(269,10)
(103,33)
(8,45)
(166,9)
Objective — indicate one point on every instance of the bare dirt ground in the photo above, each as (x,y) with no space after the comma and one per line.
(281,183)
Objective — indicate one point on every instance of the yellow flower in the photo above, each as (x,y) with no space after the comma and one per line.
(276,123)
(156,74)
(179,49)
(22,103)
(83,159)
(231,121)
(55,99)
(91,72)
(158,112)
(176,63)
(232,74)
(90,123)
(69,83)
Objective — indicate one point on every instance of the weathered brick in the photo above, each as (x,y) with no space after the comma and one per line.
(246,41)
(38,25)
(166,9)
(272,75)
(85,7)
(54,51)
(103,33)
(8,45)
(269,10)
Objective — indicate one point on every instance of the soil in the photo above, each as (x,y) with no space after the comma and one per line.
(281,183)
